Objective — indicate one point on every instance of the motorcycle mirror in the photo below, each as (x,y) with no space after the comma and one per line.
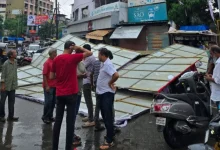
(198,64)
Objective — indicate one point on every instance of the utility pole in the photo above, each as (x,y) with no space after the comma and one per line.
(57,23)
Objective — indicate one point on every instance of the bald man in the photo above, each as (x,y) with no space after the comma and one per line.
(9,83)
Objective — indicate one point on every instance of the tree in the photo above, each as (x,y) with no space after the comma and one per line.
(46,30)
(189,12)
(1,26)
(16,26)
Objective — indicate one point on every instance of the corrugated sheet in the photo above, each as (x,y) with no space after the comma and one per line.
(127,32)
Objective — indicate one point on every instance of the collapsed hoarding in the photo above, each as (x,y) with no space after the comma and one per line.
(148,74)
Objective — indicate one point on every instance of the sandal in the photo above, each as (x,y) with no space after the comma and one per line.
(77,138)
(106,146)
(77,143)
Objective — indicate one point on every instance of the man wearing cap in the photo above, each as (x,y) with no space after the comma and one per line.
(64,70)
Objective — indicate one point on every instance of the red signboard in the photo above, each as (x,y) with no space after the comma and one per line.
(41,19)
(32,31)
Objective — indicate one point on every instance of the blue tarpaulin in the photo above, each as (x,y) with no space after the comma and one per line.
(194,28)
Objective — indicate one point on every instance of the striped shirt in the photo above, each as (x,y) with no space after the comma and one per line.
(88,64)
(95,70)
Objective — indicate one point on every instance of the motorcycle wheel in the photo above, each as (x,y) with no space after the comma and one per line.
(172,137)
(25,63)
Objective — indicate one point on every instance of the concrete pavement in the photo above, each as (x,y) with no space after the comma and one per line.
(31,134)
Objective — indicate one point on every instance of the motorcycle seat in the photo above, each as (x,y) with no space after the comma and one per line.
(181,97)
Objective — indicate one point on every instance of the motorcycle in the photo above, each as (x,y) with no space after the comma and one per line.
(213,132)
(181,114)
(24,59)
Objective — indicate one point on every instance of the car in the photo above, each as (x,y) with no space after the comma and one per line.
(11,44)
(33,48)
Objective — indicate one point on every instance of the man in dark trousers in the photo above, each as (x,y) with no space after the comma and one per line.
(9,83)
(106,92)
(64,70)
(49,88)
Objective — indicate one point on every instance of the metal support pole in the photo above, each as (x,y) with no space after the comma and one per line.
(57,23)
(51,30)
(219,6)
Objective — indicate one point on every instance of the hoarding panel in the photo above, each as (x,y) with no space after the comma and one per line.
(148,13)
(33,20)
(133,3)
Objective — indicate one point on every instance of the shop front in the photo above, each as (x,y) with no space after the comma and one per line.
(102,20)
(146,27)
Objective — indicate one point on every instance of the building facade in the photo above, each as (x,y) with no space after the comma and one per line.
(153,15)
(91,15)
(136,25)
(3,8)
(28,7)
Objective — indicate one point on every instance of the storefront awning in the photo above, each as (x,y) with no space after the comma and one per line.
(98,34)
(127,32)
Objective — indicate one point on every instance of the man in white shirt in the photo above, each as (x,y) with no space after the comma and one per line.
(215,78)
(106,91)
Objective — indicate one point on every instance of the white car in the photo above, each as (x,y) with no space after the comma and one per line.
(33,48)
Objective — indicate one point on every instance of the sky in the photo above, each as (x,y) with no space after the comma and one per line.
(65,7)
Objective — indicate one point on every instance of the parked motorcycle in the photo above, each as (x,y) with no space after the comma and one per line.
(181,114)
(213,132)
(24,58)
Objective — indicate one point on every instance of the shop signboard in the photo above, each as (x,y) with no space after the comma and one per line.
(108,8)
(33,20)
(148,13)
(133,3)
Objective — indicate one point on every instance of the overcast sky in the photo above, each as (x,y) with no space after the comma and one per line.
(65,7)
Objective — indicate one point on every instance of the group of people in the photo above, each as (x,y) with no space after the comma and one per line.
(66,77)
(75,72)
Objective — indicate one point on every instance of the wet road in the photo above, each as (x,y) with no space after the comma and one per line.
(31,134)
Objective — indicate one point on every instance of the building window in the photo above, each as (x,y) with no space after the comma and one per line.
(76,15)
(85,12)
(73,15)
(26,6)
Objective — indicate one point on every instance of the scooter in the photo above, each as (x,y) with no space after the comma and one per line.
(213,132)
(181,114)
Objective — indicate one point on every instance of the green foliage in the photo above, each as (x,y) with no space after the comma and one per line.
(192,12)
(16,26)
(1,26)
(46,30)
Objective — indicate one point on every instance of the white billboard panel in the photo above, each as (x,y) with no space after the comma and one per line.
(133,3)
